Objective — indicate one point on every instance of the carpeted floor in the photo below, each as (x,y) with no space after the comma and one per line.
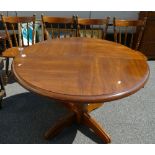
(26,116)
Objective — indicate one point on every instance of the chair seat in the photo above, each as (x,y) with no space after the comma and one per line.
(11,52)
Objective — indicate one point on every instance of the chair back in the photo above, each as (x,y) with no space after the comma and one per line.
(20,31)
(58,27)
(125,32)
(92,28)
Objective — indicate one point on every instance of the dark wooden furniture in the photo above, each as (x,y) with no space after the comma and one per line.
(147,46)
(79,71)
(15,31)
(128,26)
(92,28)
(58,27)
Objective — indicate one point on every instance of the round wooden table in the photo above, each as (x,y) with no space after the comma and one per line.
(82,74)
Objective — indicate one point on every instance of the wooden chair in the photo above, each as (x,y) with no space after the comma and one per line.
(58,27)
(20,32)
(92,28)
(2,89)
(125,32)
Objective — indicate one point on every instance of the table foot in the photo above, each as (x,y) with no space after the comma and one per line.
(92,124)
(78,113)
(63,122)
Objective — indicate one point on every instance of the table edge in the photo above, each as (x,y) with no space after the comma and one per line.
(78,98)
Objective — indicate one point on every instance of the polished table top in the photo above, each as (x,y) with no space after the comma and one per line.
(81,70)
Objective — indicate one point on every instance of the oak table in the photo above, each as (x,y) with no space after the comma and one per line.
(82,74)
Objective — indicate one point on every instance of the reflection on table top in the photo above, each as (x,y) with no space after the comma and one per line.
(81,69)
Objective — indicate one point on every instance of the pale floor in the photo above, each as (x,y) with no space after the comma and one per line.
(26,116)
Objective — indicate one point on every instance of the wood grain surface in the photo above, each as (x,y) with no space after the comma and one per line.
(81,70)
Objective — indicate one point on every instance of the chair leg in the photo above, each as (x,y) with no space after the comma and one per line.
(7,70)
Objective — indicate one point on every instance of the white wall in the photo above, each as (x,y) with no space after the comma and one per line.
(84,14)
(117,14)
